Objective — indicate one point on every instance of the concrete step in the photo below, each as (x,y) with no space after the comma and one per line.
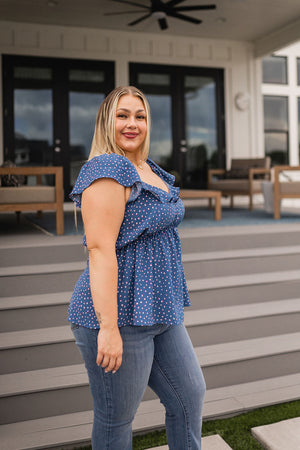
(30,311)
(216,297)
(241,265)
(214,442)
(282,435)
(54,254)
(65,388)
(233,238)
(37,349)
(75,429)
(53,346)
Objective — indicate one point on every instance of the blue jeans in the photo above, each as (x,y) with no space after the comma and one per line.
(161,356)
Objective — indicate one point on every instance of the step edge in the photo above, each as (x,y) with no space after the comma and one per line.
(217,357)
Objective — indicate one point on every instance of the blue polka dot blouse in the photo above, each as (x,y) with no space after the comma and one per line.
(151,284)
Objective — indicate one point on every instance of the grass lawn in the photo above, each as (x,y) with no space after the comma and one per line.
(236,431)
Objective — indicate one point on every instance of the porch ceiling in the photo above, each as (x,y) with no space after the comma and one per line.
(266,23)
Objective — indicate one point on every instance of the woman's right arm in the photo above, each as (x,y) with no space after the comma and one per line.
(103,207)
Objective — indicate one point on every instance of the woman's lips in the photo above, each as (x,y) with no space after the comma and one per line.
(130,135)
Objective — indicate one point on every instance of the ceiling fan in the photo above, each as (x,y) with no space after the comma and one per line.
(160,10)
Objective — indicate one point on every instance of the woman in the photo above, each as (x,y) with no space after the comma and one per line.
(126,311)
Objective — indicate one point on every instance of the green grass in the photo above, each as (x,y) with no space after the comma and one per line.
(236,431)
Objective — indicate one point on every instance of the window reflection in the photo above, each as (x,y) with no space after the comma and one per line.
(276,112)
(275,69)
(157,89)
(83,108)
(299,125)
(33,113)
(276,129)
(201,131)
(32,73)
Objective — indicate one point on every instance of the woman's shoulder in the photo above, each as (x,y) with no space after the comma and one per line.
(106,165)
(111,166)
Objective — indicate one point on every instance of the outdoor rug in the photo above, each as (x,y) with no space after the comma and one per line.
(194,217)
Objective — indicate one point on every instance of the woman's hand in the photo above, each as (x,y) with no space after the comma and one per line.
(110,349)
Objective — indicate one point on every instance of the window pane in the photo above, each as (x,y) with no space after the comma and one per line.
(298,71)
(276,113)
(157,89)
(33,73)
(33,127)
(274,69)
(299,125)
(276,146)
(82,113)
(158,79)
(91,76)
(201,129)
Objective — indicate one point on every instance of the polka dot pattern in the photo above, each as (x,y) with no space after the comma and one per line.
(151,283)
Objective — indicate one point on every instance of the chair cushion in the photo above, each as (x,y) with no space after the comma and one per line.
(291,187)
(27,194)
(234,185)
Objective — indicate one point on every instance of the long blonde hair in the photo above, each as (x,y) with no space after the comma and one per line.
(104,135)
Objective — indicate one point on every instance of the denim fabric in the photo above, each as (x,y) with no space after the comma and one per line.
(161,356)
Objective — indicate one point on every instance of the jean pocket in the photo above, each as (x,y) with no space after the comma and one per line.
(74,326)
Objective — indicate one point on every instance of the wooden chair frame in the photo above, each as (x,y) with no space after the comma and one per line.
(251,178)
(278,196)
(59,192)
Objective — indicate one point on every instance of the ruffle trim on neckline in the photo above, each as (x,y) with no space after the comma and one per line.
(165,197)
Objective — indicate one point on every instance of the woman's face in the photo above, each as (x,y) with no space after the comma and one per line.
(130,124)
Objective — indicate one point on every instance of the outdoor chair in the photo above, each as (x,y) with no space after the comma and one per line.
(243,178)
(284,188)
(33,198)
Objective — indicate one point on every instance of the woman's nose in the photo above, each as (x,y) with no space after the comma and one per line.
(131,121)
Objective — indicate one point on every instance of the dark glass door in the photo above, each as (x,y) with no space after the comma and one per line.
(187,111)
(50,106)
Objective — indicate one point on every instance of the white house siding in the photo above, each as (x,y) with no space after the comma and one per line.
(244,133)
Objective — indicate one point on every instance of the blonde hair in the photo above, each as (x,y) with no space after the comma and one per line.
(104,135)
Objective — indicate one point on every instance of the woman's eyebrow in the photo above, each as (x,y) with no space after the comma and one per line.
(128,110)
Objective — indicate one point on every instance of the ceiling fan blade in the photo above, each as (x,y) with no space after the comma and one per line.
(183,17)
(163,24)
(174,2)
(196,8)
(122,12)
(135,22)
(131,3)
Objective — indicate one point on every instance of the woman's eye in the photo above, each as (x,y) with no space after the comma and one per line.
(121,116)
(142,117)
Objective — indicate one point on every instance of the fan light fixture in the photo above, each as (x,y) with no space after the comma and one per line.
(159,15)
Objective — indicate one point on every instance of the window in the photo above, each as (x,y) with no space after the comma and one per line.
(298,71)
(276,128)
(299,126)
(275,69)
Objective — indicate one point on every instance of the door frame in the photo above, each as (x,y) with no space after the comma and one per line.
(60,86)
(177,74)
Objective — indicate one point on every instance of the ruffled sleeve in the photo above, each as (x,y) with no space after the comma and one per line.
(113,166)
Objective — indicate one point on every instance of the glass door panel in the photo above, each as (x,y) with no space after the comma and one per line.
(200,129)
(83,107)
(187,113)
(33,128)
(157,89)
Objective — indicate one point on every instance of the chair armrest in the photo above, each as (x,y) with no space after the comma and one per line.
(38,171)
(258,170)
(212,172)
